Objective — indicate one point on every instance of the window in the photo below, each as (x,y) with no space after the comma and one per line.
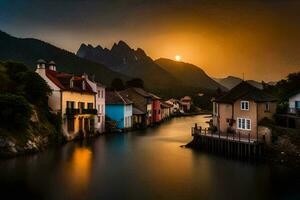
(102,96)
(101,108)
(244,124)
(70,104)
(99,119)
(99,111)
(244,105)
(70,124)
(81,105)
(98,93)
(90,105)
(267,107)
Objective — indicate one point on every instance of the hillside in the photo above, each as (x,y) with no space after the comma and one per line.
(189,74)
(29,51)
(232,81)
(135,63)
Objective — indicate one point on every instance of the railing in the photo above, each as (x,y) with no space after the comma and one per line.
(294,111)
(238,137)
(76,111)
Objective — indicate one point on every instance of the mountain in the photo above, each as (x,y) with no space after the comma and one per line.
(29,50)
(189,74)
(135,63)
(232,81)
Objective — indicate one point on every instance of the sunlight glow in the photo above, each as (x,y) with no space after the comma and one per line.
(178,58)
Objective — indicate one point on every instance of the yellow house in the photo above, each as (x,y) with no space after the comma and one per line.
(72,97)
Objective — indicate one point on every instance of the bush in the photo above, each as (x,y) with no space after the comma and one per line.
(15,112)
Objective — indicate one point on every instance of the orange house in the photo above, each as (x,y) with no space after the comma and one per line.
(241,109)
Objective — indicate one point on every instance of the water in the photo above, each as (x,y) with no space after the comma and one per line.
(147,164)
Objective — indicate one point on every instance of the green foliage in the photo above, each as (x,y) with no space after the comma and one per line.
(35,88)
(15,112)
(117,84)
(135,82)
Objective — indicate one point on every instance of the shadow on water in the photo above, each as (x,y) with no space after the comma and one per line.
(146,164)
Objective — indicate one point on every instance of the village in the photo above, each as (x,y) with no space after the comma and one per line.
(242,118)
(88,109)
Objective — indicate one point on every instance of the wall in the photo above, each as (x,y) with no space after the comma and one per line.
(262,113)
(249,114)
(128,116)
(76,97)
(116,113)
(54,99)
(293,99)
(225,112)
(100,105)
(156,111)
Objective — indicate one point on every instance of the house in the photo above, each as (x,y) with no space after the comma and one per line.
(99,89)
(241,109)
(291,119)
(165,110)
(142,100)
(138,117)
(294,103)
(176,106)
(156,108)
(186,102)
(119,109)
(72,97)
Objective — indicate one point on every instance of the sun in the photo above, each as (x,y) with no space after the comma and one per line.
(178,58)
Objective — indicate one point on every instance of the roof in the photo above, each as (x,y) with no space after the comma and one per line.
(186,98)
(137,111)
(114,97)
(41,61)
(294,93)
(245,91)
(141,92)
(154,96)
(165,105)
(62,80)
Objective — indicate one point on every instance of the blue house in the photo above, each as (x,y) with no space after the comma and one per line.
(119,109)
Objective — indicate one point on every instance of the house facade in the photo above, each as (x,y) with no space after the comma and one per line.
(241,109)
(156,108)
(186,103)
(294,103)
(99,89)
(176,106)
(166,109)
(119,109)
(72,97)
(142,101)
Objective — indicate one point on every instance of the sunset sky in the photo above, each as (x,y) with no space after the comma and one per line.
(258,38)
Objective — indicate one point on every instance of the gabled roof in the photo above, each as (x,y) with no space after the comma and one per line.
(137,111)
(154,96)
(245,91)
(141,92)
(62,80)
(114,97)
(186,98)
(165,105)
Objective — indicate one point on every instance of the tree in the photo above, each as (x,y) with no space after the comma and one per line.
(117,84)
(35,88)
(135,82)
(15,112)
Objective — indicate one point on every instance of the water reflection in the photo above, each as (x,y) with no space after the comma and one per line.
(77,171)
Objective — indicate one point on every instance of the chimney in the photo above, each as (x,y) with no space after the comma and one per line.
(52,65)
(41,64)
(83,84)
(72,82)
(41,67)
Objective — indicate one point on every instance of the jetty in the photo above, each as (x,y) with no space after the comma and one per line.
(237,145)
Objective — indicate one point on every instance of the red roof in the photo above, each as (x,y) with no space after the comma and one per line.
(62,80)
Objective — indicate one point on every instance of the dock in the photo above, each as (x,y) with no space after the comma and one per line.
(237,145)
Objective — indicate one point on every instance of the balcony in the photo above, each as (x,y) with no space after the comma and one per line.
(295,111)
(77,111)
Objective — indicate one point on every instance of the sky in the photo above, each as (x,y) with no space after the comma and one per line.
(257,38)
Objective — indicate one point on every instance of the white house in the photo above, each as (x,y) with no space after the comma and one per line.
(99,89)
(72,97)
(294,103)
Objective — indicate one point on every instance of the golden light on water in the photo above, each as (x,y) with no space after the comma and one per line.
(178,58)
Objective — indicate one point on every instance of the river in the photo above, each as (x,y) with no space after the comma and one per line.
(148,164)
